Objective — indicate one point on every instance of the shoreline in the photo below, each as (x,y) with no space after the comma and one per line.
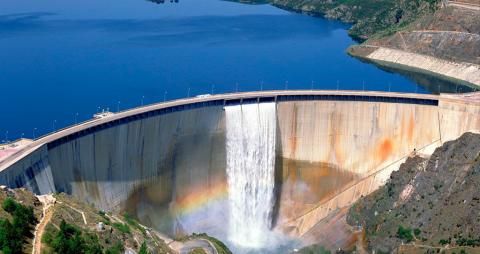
(467,74)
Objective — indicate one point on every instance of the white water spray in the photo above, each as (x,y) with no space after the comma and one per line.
(251,131)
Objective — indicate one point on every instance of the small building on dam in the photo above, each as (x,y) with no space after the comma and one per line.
(279,161)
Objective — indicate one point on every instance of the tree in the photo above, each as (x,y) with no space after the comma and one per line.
(12,235)
(68,240)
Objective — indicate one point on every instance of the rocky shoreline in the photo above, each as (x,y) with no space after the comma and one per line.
(467,74)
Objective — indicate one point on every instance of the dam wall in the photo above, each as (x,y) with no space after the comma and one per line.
(166,160)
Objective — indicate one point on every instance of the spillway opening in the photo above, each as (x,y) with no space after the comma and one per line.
(250,149)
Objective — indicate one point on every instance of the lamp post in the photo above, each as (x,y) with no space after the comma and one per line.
(76,115)
(188,93)
(118,106)
(165,96)
(213,87)
(143,97)
(261,85)
(311,85)
(33,132)
(286,85)
(53,125)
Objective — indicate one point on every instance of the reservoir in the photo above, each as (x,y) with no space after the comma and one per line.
(63,61)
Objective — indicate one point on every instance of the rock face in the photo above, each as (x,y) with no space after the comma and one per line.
(436,201)
(369,17)
(423,63)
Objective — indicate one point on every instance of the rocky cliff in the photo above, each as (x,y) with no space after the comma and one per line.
(428,205)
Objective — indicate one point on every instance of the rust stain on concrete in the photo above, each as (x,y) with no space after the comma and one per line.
(411,126)
(293,140)
(385,149)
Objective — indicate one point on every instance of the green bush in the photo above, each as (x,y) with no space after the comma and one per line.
(143,249)
(70,240)
(124,228)
(404,233)
(417,232)
(131,221)
(115,249)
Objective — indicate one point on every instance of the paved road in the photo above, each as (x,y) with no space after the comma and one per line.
(197,243)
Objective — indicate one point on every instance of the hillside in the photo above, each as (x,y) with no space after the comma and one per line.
(62,224)
(428,205)
(19,212)
(368,17)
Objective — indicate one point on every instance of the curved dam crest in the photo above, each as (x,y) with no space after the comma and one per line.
(167,163)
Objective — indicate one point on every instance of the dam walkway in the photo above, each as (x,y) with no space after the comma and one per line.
(93,125)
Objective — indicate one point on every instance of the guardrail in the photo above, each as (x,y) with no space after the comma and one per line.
(74,131)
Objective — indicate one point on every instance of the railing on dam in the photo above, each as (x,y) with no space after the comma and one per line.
(227,102)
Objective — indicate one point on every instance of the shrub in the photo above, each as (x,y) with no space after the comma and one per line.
(143,249)
(115,249)
(124,228)
(68,239)
(404,233)
(417,232)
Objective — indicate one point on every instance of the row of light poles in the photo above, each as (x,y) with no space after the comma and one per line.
(212,90)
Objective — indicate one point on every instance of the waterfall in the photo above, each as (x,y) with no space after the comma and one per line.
(251,131)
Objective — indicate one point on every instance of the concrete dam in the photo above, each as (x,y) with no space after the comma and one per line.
(244,167)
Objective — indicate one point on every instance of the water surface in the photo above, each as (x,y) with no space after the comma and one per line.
(62,61)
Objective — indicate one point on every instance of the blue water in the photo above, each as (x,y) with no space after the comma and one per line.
(60,58)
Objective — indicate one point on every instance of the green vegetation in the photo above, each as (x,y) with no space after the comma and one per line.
(472,242)
(219,245)
(143,249)
(13,234)
(405,234)
(132,222)
(197,251)
(70,240)
(417,232)
(106,220)
(371,18)
(115,249)
(124,228)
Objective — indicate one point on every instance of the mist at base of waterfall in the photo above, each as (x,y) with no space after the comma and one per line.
(213,219)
